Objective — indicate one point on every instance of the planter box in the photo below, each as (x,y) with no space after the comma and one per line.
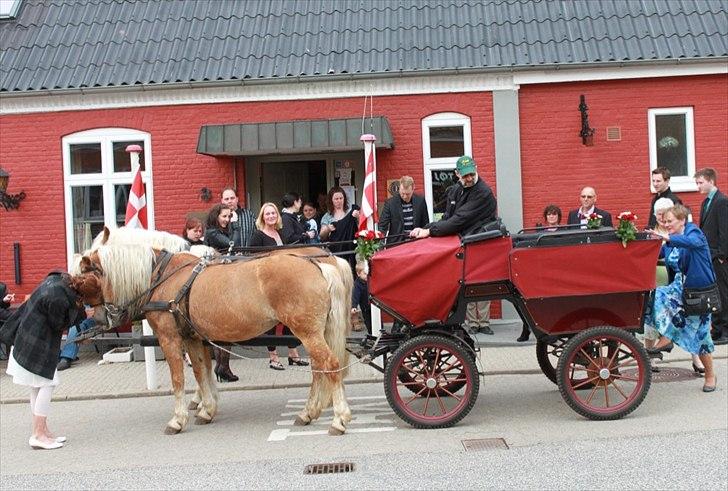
(119,355)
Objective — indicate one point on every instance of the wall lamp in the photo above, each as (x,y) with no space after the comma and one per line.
(9,201)
(205,194)
(586,133)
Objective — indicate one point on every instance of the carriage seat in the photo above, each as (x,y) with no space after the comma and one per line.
(569,237)
(490,230)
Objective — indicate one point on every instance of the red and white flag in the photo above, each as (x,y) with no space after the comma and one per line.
(368,213)
(136,207)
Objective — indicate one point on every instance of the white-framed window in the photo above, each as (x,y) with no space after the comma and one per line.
(672,145)
(97,176)
(445,138)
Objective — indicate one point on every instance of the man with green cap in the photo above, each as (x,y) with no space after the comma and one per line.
(470,205)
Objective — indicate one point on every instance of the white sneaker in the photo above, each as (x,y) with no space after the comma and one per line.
(37,444)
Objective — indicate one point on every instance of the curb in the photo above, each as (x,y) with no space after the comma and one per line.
(168,392)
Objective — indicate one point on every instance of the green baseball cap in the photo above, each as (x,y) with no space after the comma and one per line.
(465,165)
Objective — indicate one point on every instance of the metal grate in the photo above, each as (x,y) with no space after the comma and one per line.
(484,444)
(331,468)
(614,134)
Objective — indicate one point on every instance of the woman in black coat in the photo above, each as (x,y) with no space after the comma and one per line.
(38,326)
(293,232)
(217,234)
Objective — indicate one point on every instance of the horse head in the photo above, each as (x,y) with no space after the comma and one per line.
(116,278)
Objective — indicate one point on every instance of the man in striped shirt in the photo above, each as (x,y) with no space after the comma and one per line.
(242,222)
(402,214)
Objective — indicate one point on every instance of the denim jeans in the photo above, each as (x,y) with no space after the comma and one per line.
(70,350)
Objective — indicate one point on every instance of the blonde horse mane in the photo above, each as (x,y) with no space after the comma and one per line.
(154,238)
(123,235)
(128,267)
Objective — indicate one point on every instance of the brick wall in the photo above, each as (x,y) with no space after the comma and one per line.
(555,165)
(30,150)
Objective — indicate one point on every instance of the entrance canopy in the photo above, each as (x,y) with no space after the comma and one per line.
(292,137)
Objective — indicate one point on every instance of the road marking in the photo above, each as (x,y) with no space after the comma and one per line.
(281,434)
(372,412)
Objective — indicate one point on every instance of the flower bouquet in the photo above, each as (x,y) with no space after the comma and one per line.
(626,230)
(367,243)
(594,220)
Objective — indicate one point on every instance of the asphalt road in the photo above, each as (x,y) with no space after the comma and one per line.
(678,438)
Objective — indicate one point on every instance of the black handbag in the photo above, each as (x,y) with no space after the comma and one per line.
(699,301)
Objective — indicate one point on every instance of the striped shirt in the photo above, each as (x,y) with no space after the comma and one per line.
(408,217)
(243,227)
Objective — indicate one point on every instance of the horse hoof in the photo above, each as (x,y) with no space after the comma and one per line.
(192,406)
(168,430)
(300,421)
(335,431)
(202,421)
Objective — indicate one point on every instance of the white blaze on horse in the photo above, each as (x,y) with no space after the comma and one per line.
(305,289)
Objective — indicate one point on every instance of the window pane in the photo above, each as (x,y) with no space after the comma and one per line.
(441,180)
(86,158)
(447,141)
(88,215)
(671,138)
(122,160)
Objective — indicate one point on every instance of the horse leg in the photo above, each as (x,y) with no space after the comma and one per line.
(342,412)
(208,403)
(171,345)
(326,387)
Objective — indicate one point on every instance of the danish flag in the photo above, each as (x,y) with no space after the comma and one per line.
(136,207)
(368,213)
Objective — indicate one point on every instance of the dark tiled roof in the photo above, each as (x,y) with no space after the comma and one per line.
(57,44)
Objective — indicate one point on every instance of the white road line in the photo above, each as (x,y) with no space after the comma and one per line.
(283,433)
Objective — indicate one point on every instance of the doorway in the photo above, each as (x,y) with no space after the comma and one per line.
(308,178)
(268,178)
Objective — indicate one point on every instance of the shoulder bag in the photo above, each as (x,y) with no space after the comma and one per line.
(699,301)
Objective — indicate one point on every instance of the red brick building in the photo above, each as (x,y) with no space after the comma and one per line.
(288,114)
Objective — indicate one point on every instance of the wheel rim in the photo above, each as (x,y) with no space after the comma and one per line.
(431,383)
(596,379)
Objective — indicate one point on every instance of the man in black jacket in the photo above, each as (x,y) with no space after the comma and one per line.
(404,213)
(588,198)
(661,183)
(714,224)
(470,205)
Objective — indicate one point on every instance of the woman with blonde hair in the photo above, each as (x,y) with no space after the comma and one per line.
(269,225)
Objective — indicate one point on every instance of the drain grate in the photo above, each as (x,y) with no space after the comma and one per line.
(331,468)
(666,374)
(480,444)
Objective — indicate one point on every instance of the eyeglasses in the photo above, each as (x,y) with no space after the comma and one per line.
(587,196)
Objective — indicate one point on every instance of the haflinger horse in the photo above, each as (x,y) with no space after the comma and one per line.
(228,301)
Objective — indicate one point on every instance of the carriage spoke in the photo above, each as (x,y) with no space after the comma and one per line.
(614,384)
(454,396)
(424,388)
(624,377)
(616,352)
(584,382)
(589,358)
(442,404)
(591,394)
(606,393)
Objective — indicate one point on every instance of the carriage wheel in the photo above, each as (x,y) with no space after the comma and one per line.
(548,355)
(600,389)
(457,379)
(446,392)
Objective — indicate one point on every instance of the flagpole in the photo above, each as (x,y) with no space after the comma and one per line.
(150,358)
(369,197)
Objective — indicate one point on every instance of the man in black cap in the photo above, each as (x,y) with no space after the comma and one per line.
(470,205)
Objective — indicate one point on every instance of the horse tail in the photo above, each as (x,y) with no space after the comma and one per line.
(339,282)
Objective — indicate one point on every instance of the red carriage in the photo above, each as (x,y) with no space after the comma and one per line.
(579,291)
